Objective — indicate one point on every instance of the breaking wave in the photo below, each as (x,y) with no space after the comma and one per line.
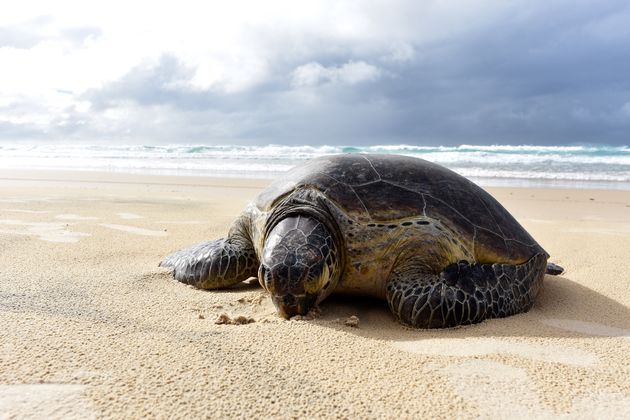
(486,163)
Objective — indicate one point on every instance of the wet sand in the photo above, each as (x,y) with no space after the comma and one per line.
(91,327)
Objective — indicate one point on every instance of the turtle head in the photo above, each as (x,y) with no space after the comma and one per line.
(299,265)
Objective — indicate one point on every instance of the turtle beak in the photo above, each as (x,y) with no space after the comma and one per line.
(290,305)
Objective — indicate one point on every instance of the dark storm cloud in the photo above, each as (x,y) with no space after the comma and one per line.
(543,78)
(535,80)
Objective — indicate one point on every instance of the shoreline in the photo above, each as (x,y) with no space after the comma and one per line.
(103,177)
(106,177)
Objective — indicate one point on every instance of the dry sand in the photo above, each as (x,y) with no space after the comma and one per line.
(90,327)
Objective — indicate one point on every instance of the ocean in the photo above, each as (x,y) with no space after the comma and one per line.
(491,165)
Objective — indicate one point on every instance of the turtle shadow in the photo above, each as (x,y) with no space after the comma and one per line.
(561,302)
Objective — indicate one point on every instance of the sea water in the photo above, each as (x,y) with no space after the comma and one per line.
(492,165)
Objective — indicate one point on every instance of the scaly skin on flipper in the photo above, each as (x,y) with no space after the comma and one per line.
(464,293)
(213,264)
(554,269)
(216,264)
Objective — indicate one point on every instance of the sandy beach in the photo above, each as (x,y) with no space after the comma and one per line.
(91,327)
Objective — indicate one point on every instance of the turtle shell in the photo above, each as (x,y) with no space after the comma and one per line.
(389,188)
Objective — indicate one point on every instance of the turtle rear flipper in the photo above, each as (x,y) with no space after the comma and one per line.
(463,293)
(554,269)
(213,264)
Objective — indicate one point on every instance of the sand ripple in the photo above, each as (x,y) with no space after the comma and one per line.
(50,232)
(25,211)
(135,230)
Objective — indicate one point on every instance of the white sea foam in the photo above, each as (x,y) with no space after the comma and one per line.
(485,163)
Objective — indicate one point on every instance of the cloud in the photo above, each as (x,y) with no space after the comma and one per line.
(400,52)
(153,82)
(352,72)
(27,34)
(316,72)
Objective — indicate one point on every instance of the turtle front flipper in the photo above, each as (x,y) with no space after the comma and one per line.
(463,293)
(213,264)
(219,263)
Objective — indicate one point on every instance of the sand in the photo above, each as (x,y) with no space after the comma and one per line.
(91,327)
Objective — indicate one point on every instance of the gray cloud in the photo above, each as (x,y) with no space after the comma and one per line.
(148,84)
(532,73)
(24,35)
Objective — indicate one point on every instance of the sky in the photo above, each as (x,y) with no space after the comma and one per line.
(316,72)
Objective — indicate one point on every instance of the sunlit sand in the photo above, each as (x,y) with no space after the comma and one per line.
(82,292)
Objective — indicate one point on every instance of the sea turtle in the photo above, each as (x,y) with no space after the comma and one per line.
(437,247)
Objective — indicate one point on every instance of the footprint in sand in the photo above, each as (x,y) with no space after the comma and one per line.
(50,232)
(135,230)
(11,200)
(25,211)
(541,221)
(74,217)
(44,401)
(503,391)
(129,216)
(183,222)
(471,347)
(586,327)
(26,200)
(623,230)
